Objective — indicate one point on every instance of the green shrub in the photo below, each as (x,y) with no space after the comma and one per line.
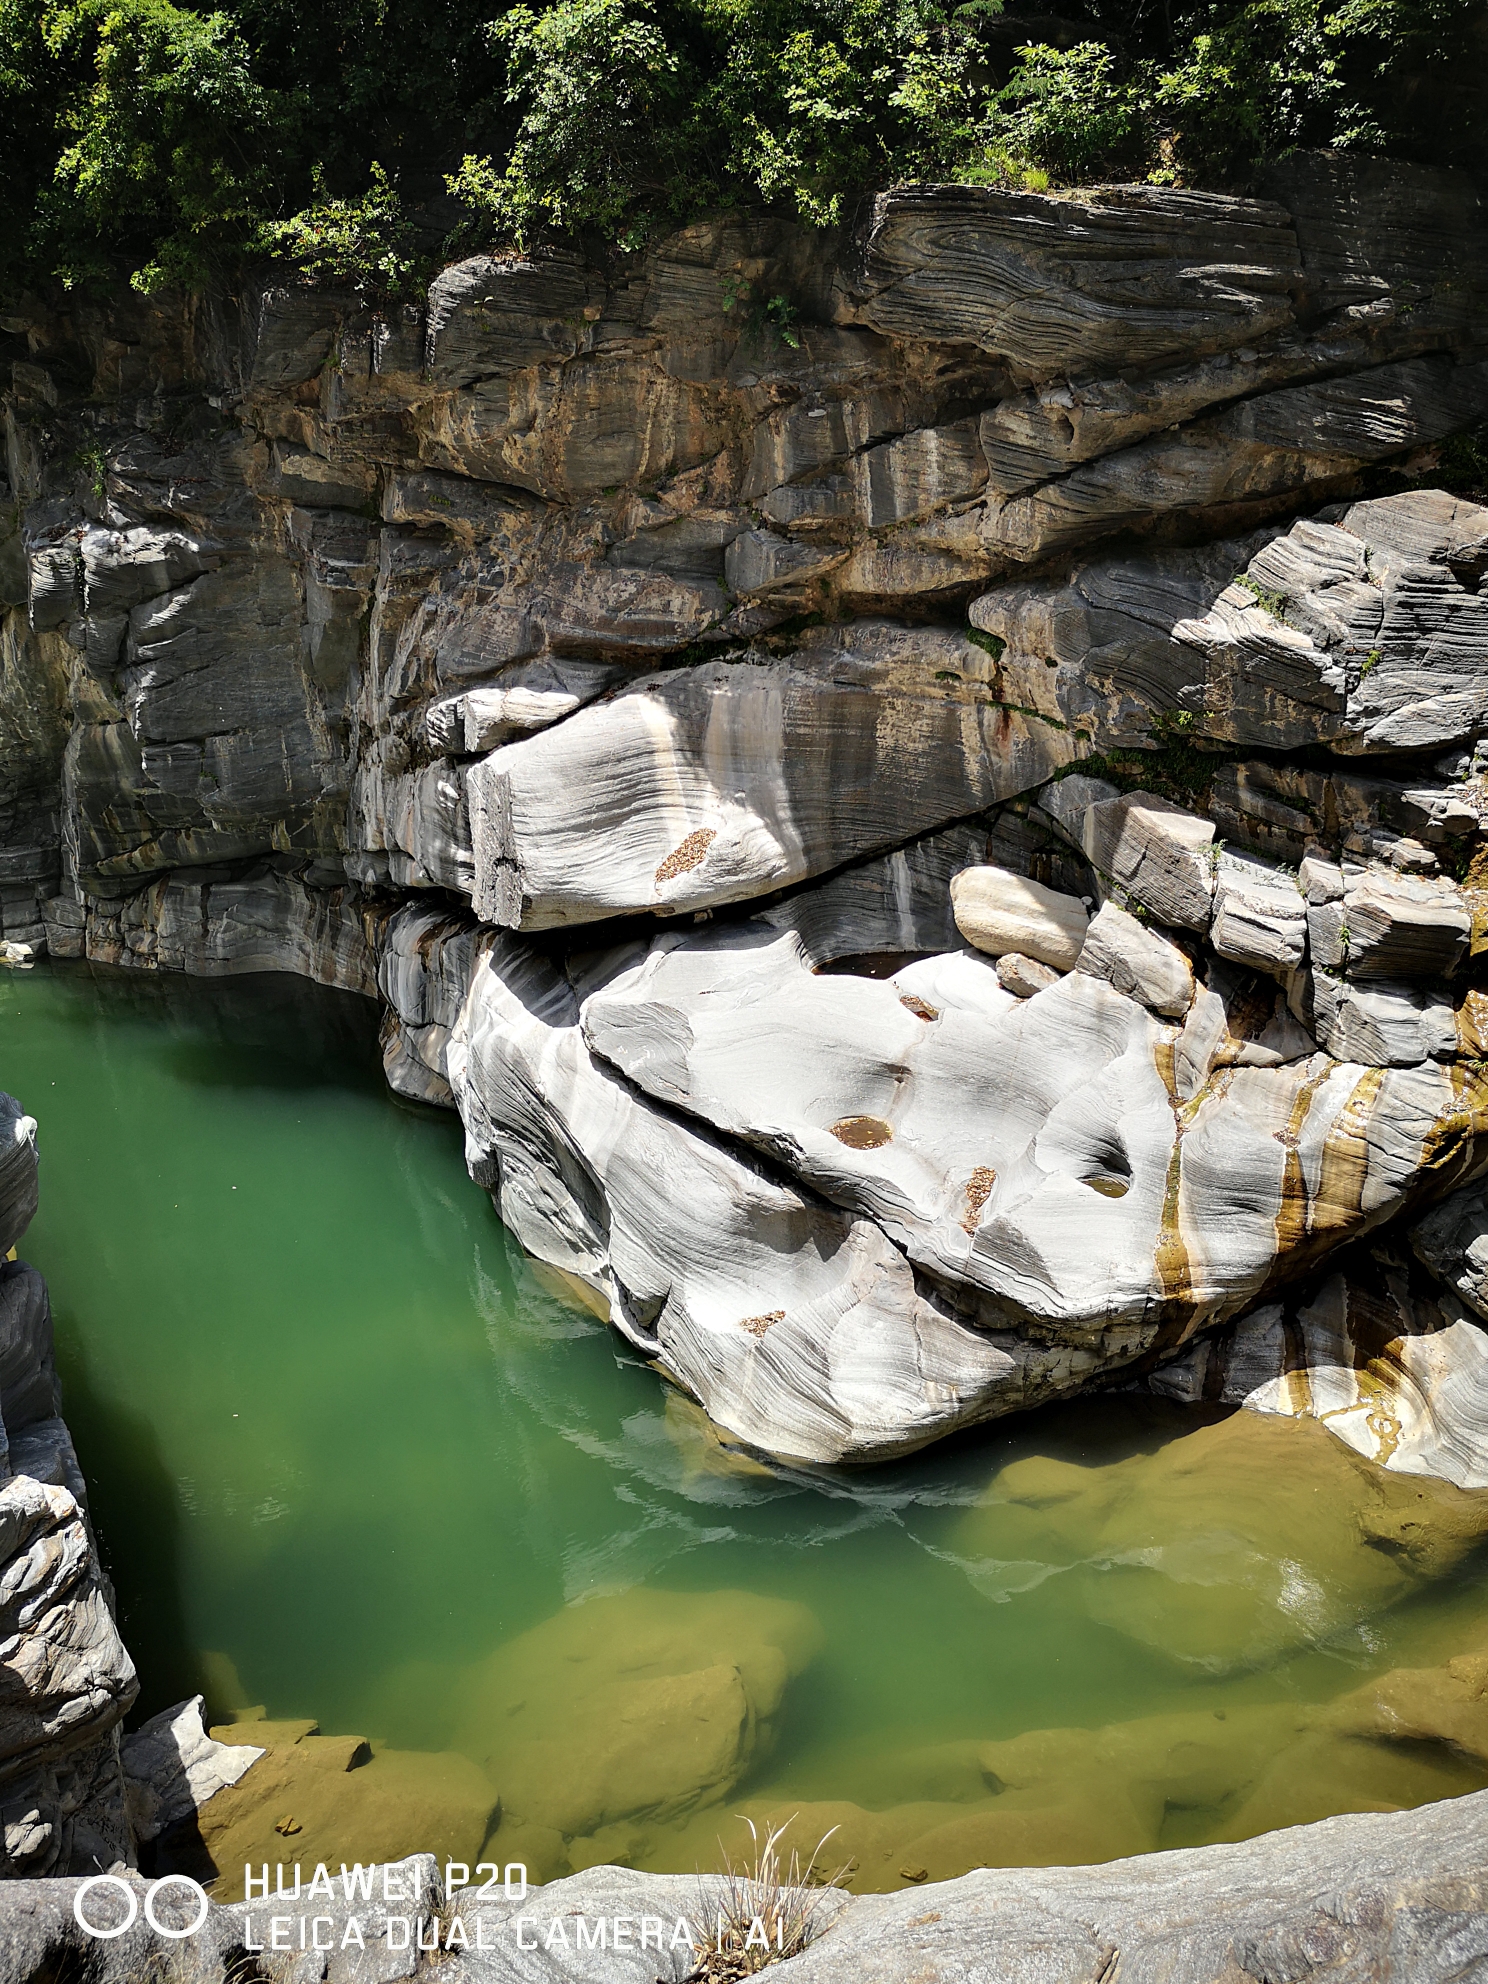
(1068,111)
(600,96)
(367,242)
(166,134)
(147,138)
(1258,82)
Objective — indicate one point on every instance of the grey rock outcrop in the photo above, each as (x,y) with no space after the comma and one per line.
(18,1182)
(1397,1898)
(1363,629)
(66,1681)
(1452,1241)
(1137,961)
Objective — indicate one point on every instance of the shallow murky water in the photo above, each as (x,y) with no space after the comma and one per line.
(345,1450)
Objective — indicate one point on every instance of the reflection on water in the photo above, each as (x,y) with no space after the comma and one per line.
(353,1459)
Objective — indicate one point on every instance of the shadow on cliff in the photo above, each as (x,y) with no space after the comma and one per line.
(265,1030)
(277,1032)
(132,1502)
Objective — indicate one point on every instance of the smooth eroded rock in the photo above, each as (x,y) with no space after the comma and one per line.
(997,912)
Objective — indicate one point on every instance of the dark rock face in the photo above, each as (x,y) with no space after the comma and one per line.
(388,646)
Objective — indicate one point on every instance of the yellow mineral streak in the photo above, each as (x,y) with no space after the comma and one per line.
(1293,1214)
(1344,1167)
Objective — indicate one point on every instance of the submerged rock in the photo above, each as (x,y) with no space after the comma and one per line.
(172,1767)
(630,1710)
(1231,1544)
(315,1799)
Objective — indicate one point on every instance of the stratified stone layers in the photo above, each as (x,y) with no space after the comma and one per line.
(588,674)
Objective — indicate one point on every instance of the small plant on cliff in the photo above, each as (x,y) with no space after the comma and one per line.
(766,319)
(1275,603)
(93,463)
(764,1911)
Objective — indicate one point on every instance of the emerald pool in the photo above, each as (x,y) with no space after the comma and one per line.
(344,1445)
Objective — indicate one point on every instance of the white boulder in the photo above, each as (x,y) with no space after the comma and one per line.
(1000,912)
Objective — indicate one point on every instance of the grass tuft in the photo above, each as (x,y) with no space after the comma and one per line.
(767,1910)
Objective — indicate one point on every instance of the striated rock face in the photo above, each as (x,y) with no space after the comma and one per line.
(1398,1374)
(724,757)
(66,1681)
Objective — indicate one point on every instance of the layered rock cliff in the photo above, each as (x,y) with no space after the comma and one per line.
(935,855)
(66,1681)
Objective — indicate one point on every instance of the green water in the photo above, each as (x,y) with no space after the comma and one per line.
(332,1425)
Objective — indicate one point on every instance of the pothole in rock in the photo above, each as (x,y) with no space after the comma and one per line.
(863,1132)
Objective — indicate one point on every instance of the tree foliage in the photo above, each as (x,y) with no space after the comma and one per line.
(150,139)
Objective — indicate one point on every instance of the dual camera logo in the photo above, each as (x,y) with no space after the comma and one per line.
(81,1912)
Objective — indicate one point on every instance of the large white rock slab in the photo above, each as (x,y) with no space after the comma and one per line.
(798,1327)
(728,779)
(1042,1153)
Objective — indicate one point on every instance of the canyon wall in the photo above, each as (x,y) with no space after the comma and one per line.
(920,790)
